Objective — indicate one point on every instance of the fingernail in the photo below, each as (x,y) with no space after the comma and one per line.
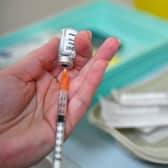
(89,34)
(112,41)
(119,41)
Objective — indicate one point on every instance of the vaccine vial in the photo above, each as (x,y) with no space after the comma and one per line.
(67,51)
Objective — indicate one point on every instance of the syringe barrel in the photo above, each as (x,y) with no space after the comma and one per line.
(62,103)
(58,145)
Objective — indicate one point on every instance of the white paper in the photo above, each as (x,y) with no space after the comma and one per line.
(117,116)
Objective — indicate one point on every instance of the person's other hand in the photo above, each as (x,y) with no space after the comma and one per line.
(28,98)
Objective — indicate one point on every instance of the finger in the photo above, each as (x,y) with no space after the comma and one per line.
(32,66)
(104,53)
(81,100)
(83,44)
(83,48)
(107,49)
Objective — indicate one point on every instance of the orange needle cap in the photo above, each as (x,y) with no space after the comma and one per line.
(64,82)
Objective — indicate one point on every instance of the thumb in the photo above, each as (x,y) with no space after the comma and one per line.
(35,63)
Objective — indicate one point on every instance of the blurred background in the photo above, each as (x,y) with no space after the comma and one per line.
(17,13)
(142,28)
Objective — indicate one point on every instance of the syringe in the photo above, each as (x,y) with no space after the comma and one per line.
(62,108)
(66,57)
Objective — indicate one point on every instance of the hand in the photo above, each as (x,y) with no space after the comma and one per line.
(28,98)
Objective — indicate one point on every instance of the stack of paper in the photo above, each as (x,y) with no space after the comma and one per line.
(137,117)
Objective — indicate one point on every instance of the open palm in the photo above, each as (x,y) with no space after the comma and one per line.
(28,98)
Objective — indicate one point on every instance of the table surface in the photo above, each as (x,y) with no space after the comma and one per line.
(92,148)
